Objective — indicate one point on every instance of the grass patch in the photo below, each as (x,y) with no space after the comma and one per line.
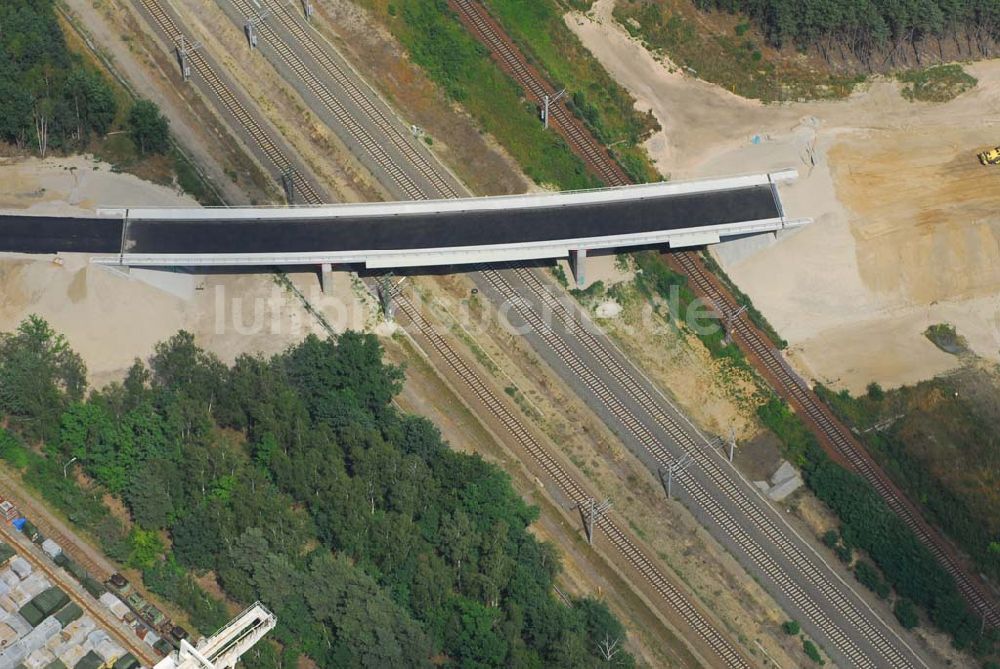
(940,83)
(661,284)
(477,350)
(946,338)
(608,110)
(560,274)
(735,60)
(522,402)
(594,291)
(438,43)
(812,652)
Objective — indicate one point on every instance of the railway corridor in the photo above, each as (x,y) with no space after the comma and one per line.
(743,522)
(837,439)
(723,501)
(262,140)
(831,432)
(371,130)
(432,180)
(704,636)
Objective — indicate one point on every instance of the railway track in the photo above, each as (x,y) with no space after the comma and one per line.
(723,649)
(257,134)
(737,511)
(789,384)
(50,531)
(794,388)
(358,133)
(596,156)
(362,96)
(572,490)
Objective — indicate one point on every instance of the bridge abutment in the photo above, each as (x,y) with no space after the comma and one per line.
(578,262)
(326,278)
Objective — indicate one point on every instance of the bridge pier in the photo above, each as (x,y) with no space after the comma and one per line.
(578,262)
(326,278)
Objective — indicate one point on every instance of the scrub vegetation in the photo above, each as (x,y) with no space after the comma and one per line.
(867,28)
(867,524)
(775,50)
(453,59)
(936,84)
(731,54)
(295,481)
(537,28)
(438,42)
(938,442)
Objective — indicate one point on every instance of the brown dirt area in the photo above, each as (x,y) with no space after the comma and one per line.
(111,318)
(906,231)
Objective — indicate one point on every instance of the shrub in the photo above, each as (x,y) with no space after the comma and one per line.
(906,613)
(149,128)
(791,627)
(868,576)
(869,524)
(936,84)
(812,652)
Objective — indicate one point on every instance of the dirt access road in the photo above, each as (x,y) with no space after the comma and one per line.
(907,223)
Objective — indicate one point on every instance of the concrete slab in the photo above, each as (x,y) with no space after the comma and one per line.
(784,472)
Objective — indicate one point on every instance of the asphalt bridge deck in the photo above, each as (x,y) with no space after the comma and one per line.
(42,234)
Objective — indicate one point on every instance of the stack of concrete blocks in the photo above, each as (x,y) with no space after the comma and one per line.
(73,641)
(81,637)
(115,605)
(8,634)
(30,642)
(8,510)
(151,638)
(51,548)
(109,651)
(16,622)
(784,482)
(40,659)
(4,592)
(28,589)
(20,567)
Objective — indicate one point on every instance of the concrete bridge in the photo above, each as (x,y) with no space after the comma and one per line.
(417,234)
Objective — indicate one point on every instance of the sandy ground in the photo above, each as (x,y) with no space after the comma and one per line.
(76,185)
(906,228)
(111,318)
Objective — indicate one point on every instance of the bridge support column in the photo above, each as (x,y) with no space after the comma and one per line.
(326,278)
(578,261)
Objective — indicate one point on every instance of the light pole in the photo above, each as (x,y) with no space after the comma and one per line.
(66,466)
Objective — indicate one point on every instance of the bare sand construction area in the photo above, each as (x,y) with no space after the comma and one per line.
(907,222)
(111,318)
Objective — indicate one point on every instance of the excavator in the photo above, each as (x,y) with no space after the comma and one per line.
(991,157)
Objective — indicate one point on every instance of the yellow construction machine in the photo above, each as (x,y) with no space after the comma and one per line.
(991,157)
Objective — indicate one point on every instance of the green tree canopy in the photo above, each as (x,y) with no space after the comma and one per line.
(148,127)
